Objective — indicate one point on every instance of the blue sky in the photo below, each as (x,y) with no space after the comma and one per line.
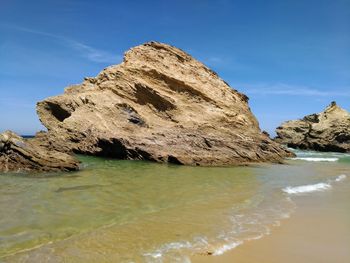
(291,57)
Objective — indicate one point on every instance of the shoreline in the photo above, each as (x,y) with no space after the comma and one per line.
(215,208)
(317,232)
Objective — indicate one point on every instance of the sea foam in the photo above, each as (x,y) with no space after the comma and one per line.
(340,178)
(317,159)
(156,256)
(313,187)
(307,188)
(224,248)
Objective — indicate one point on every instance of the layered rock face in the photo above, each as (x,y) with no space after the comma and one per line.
(18,154)
(159,104)
(326,131)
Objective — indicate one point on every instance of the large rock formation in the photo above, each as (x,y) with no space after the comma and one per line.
(160,104)
(326,131)
(18,154)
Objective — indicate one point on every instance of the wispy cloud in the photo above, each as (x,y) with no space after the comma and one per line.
(86,51)
(210,60)
(215,59)
(221,62)
(292,90)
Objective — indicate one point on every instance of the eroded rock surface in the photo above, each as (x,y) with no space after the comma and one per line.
(19,154)
(326,131)
(159,104)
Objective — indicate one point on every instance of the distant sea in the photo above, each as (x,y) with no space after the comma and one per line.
(28,136)
(135,211)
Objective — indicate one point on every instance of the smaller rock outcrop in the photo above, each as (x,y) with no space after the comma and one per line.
(19,154)
(326,131)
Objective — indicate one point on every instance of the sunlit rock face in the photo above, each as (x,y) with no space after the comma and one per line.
(159,104)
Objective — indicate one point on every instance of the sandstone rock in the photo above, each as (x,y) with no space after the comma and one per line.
(159,104)
(18,154)
(326,131)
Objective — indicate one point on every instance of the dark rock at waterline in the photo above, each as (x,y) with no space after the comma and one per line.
(325,131)
(18,154)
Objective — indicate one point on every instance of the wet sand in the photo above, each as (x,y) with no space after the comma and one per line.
(318,232)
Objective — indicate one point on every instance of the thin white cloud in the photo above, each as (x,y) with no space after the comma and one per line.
(86,51)
(292,90)
(211,61)
(226,63)
(215,60)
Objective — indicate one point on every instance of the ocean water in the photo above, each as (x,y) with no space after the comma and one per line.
(134,211)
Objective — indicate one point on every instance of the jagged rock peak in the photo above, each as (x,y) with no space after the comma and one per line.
(335,108)
(159,104)
(325,131)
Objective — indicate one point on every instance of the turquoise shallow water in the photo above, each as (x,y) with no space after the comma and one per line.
(131,211)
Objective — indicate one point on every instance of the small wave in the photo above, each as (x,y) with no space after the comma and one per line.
(156,256)
(301,153)
(340,178)
(313,187)
(317,159)
(306,188)
(221,250)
